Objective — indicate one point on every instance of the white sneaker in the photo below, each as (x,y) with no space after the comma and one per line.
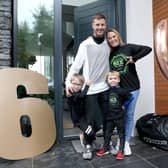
(127,149)
(87,154)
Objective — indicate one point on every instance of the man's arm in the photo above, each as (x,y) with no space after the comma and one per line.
(75,68)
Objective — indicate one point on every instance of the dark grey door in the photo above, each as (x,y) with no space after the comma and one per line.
(114,10)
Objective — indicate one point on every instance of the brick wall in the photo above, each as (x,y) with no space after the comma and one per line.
(5,32)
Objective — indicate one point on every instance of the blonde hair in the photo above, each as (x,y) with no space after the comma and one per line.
(118,35)
(112,73)
(79,77)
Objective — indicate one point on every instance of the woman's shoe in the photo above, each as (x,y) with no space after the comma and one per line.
(127,149)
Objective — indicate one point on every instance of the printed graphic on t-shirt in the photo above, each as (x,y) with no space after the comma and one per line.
(113,98)
(118,63)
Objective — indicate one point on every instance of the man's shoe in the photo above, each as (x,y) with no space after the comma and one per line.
(120,156)
(127,149)
(87,154)
(102,152)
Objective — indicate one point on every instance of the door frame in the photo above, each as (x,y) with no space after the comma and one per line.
(58,79)
(120,25)
(58,73)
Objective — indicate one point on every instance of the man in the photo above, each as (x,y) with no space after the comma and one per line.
(93,58)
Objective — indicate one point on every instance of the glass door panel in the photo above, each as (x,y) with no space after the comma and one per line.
(35,39)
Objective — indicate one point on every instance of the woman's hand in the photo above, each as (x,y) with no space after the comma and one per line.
(130,60)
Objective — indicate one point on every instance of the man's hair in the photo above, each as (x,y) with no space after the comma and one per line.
(79,77)
(98,16)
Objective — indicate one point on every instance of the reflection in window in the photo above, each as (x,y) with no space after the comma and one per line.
(35,36)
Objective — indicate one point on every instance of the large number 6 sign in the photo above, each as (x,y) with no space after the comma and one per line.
(13,145)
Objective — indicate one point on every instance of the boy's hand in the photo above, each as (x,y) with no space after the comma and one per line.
(69,91)
(88,82)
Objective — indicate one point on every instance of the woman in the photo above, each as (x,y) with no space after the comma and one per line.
(122,59)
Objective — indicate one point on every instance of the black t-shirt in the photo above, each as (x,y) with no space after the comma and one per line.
(116,98)
(118,59)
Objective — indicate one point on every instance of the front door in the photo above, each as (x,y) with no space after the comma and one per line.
(76,20)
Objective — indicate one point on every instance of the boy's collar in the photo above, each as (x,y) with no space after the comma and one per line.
(115,87)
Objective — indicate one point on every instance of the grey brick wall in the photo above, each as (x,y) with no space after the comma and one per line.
(5,32)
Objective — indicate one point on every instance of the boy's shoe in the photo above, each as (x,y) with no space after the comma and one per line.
(120,156)
(127,149)
(87,154)
(102,152)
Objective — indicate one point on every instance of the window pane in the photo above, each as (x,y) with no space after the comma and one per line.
(35,38)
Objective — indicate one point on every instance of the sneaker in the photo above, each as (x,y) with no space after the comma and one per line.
(120,156)
(87,154)
(127,149)
(81,136)
(102,152)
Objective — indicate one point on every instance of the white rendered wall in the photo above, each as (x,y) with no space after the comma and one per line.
(139,25)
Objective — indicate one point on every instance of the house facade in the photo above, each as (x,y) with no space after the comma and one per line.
(50,48)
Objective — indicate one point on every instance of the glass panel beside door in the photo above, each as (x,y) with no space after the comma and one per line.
(35,39)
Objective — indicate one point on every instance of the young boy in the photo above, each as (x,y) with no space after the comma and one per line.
(115,116)
(76,103)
